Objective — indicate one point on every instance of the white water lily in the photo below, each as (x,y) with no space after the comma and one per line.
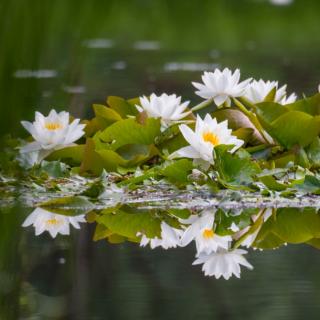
(166,107)
(287,100)
(170,238)
(44,220)
(29,159)
(52,132)
(207,135)
(257,91)
(201,230)
(223,263)
(221,86)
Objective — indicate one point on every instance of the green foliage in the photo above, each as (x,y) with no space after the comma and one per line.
(290,225)
(129,131)
(72,155)
(234,169)
(308,105)
(178,171)
(288,126)
(122,141)
(73,205)
(127,222)
(123,107)
(311,185)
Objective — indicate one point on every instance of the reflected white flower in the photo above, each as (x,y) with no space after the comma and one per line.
(170,238)
(52,132)
(223,263)
(201,230)
(166,107)
(44,220)
(208,134)
(257,91)
(221,86)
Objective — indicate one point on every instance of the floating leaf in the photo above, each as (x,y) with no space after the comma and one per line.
(295,127)
(308,105)
(72,155)
(68,206)
(178,171)
(313,153)
(54,169)
(291,225)
(310,185)
(123,107)
(127,222)
(129,131)
(234,169)
(269,111)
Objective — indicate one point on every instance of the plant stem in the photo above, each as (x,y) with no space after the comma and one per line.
(202,105)
(252,117)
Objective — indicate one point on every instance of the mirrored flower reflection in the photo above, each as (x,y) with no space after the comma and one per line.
(223,263)
(43,220)
(207,135)
(221,86)
(170,238)
(201,230)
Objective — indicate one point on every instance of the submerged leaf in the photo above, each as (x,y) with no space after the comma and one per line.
(128,222)
(68,206)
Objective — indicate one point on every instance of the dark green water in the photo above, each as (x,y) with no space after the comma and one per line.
(51,56)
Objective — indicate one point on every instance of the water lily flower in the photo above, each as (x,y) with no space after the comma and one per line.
(44,220)
(201,230)
(287,100)
(207,135)
(257,91)
(170,238)
(221,86)
(223,263)
(52,132)
(29,159)
(166,107)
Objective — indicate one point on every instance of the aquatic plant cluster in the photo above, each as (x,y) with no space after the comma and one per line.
(246,135)
(253,136)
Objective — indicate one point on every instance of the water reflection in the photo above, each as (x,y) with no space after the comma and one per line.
(43,220)
(217,234)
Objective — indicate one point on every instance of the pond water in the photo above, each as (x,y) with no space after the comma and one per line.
(69,55)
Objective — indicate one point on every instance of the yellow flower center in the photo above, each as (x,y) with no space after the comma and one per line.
(53,126)
(208,234)
(53,222)
(210,137)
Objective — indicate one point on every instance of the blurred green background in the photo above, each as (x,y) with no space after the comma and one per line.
(69,54)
